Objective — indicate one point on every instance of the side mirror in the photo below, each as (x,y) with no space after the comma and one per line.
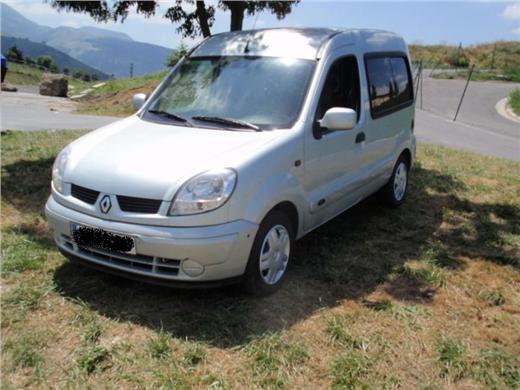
(138,100)
(339,118)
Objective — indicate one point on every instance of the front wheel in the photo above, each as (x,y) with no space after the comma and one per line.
(270,255)
(394,192)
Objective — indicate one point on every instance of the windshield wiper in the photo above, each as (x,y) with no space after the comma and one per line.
(227,121)
(169,115)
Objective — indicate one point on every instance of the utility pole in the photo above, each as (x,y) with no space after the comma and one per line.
(131,70)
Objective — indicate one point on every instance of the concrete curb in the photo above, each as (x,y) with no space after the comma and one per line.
(503,109)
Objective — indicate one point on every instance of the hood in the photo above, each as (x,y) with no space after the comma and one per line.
(138,158)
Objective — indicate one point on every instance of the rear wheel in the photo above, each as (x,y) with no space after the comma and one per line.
(394,192)
(270,255)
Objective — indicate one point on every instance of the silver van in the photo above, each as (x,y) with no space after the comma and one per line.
(253,140)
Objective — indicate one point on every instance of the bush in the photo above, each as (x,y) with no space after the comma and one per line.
(514,101)
(175,57)
(14,54)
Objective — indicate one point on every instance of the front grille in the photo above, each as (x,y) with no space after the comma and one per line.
(84,194)
(138,205)
(147,264)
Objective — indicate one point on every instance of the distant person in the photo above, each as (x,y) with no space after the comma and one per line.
(4,67)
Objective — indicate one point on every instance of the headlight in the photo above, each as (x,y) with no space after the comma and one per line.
(204,192)
(58,169)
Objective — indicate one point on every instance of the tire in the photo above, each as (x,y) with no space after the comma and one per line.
(393,194)
(265,274)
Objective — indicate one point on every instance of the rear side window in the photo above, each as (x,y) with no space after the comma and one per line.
(389,83)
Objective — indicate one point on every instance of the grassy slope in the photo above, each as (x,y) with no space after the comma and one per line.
(514,101)
(507,55)
(425,296)
(115,97)
(21,74)
(506,65)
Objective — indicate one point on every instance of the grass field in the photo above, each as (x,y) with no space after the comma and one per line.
(503,65)
(514,101)
(426,296)
(21,74)
(115,97)
(507,55)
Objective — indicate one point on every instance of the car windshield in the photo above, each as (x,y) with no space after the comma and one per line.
(265,92)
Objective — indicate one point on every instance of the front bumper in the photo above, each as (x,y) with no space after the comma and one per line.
(164,255)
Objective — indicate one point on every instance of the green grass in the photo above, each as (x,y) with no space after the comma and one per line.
(494,297)
(451,354)
(159,345)
(273,359)
(22,74)
(506,58)
(351,371)
(514,101)
(92,358)
(423,296)
(340,334)
(115,97)
(512,75)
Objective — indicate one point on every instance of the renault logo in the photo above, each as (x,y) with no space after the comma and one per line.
(105,204)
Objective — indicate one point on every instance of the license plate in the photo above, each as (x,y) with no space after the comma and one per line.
(90,237)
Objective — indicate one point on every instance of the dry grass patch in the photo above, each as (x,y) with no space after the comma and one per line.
(423,296)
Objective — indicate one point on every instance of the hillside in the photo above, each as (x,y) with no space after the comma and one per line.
(110,52)
(506,55)
(22,74)
(34,50)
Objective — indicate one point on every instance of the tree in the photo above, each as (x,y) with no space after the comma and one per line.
(94,77)
(14,54)
(29,61)
(78,74)
(86,77)
(47,63)
(194,17)
(176,55)
(66,70)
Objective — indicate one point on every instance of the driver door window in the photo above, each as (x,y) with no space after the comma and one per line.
(341,88)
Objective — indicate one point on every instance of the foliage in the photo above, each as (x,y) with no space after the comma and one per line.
(29,61)
(514,101)
(47,63)
(14,54)
(77,74)
(176,55)
(194,18)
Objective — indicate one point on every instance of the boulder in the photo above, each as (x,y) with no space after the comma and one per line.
(54,85)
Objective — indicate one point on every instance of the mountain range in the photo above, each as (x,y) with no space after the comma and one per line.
(35,50)
(108,51)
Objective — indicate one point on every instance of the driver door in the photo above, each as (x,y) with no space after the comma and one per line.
(334,159)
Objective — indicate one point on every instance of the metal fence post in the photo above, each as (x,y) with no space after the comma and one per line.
(421,81)
(464,92)
(417,81)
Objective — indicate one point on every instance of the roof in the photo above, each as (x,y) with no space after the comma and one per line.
(294,42)
(276,42)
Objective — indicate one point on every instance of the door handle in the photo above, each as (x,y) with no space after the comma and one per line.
(360,137)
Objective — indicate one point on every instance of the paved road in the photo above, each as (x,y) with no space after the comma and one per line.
(479,127)
(32,112)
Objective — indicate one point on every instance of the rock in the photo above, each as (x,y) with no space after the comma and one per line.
(9,88)
(54,85)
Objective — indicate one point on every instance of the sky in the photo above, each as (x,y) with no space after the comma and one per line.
(423,22)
